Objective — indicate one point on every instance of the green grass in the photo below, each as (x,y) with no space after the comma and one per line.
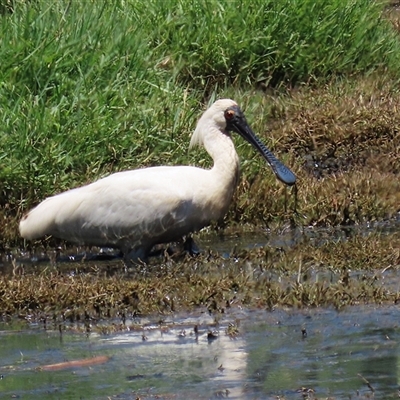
(271,41)
(92,87)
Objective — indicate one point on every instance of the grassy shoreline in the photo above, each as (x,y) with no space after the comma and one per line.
(341,140)
(87,91)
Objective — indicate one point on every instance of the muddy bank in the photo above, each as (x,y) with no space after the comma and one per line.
(308,271)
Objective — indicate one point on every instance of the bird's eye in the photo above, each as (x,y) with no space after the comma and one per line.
(229,114)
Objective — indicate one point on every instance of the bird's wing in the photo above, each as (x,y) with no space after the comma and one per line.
(149,203)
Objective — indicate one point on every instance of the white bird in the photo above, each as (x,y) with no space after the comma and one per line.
(136,210)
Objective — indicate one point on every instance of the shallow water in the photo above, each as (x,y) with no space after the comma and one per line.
(278,354)
(290,237)
(224,245)
(294,354)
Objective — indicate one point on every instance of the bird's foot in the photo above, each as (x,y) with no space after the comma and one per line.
(175,250)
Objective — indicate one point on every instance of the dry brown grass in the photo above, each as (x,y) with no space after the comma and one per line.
(344,146)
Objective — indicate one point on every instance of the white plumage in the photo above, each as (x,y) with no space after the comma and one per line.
(135,210)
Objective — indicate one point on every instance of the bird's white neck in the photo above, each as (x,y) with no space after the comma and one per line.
(220,147)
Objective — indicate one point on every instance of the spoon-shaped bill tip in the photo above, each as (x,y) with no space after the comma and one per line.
(237,122)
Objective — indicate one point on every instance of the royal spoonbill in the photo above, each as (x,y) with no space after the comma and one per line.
(136,210)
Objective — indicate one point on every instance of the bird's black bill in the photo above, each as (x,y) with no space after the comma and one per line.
(283,173)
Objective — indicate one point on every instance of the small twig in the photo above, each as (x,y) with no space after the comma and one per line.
(386,268)
(85,362)
(299,271)
(367,383)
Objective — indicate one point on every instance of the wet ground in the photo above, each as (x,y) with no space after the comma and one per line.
(225,245)
(250,354)
(236,353)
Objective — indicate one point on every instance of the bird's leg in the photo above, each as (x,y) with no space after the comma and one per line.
(190,246)
(135,256)
(295,198)
(157,251)
(186,244)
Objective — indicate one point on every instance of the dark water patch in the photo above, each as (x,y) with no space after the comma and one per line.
(226,244)
(323,165)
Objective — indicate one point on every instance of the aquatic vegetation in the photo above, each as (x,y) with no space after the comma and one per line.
(337,273)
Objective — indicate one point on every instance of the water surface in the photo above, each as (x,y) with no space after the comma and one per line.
(250,354)
(279,354)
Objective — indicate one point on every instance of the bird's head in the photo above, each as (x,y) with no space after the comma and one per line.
(226,116)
